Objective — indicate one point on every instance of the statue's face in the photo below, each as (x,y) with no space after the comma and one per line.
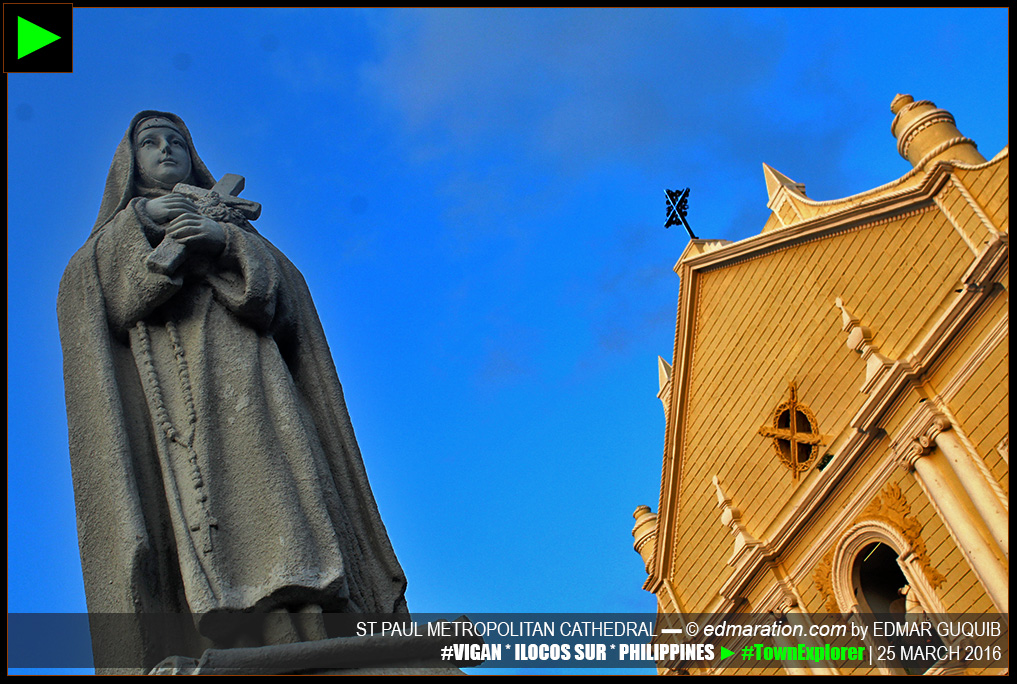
(162,156)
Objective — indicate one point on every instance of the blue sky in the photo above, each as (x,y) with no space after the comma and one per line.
(476,201)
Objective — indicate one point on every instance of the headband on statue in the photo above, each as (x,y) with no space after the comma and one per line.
(156,122)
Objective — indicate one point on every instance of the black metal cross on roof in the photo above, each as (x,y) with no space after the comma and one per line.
(678,209)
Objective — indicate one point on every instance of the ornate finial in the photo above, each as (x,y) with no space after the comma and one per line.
(899,102)
(723,500)
(645,535)
(664,379)
(859,339)
(678,209)
(775,180)
(926,134)
(663,372)
(847,320)
(731,517)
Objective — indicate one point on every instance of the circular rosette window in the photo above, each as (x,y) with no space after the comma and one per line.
(795,434)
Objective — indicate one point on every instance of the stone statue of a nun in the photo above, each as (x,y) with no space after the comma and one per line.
(215,468)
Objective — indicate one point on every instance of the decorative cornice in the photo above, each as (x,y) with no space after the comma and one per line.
(898,378)
(917,187)
(782,596)
(902,184)
(882,207)
(698,247)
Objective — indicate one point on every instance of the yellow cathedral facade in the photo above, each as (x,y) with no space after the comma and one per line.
(837,404)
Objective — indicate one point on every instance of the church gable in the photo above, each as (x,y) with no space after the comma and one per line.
(804,358)
(767,322)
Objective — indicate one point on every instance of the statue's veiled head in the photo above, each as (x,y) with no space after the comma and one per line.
(162,156)
(155,154)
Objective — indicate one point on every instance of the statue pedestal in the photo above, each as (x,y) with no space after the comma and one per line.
(412,654)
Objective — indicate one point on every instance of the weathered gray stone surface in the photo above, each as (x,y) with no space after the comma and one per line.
(215,466)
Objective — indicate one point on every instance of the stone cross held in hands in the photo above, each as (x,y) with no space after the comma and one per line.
(216,203)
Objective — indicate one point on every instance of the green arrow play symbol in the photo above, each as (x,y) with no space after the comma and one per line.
(724,653)
(32,37)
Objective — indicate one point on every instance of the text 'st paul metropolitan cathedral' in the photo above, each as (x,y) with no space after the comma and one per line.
(837,405)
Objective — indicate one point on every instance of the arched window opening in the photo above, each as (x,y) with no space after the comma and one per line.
(881,587)
(879,580)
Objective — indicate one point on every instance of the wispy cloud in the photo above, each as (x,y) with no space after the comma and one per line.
(571,87)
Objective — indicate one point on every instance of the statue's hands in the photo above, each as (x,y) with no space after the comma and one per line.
(197,233)
(169,207)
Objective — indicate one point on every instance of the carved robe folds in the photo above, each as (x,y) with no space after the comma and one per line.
(214,462)
(239,455)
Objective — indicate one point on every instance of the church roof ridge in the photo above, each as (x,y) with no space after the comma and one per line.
(913,175)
